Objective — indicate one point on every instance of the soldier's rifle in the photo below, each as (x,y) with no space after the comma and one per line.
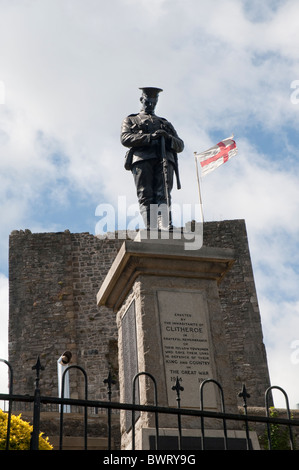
(165,178)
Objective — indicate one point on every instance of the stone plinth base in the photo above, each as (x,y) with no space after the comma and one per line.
(191,439)
(170,326)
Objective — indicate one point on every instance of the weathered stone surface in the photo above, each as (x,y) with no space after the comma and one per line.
(54,280)
(168,283)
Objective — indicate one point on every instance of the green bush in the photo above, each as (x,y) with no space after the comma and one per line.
(280,436)
(20,434)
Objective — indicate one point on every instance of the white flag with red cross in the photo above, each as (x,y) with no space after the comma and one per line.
(216,155)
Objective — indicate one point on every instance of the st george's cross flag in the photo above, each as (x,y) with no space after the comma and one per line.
(217,155)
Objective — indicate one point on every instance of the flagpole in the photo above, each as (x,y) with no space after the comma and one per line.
(212,158)
(198,183)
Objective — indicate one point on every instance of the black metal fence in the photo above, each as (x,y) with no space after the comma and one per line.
(37,400)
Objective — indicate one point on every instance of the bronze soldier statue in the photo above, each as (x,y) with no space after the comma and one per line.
(152,158)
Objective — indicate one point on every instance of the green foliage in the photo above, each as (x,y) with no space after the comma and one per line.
(20,434)
(280,436)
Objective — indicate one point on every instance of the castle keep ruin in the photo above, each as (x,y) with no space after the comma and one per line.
(53,282)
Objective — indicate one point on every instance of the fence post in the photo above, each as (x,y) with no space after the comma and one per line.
(243,394)
(178,388)
(109,381)
(61,408)
(133,409)
(222,409)
(288,414)
(10,388)
(34,442)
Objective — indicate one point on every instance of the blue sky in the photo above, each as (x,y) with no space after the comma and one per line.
(70,71)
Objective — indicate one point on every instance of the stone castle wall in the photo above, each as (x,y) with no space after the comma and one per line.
(53,282)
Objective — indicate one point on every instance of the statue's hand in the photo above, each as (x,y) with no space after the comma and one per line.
(159,133)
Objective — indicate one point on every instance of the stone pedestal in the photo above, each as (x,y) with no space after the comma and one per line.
(170,325)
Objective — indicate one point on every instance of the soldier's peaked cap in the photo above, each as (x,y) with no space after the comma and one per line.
(151,92)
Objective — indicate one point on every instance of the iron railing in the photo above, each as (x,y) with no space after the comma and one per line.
(38,400)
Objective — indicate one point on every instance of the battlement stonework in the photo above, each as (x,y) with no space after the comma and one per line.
(53,282)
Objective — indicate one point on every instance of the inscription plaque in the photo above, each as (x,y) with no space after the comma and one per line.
(130,359)
(186,346)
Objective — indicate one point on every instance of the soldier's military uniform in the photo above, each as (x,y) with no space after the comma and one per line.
(146,159)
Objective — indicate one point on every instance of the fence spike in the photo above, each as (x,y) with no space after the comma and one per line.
(38,367)
(177,387)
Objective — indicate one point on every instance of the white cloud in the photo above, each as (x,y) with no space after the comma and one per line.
(80,79)
(3,332)
(71,72)
(3,315)
(267,194)
(281,324)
